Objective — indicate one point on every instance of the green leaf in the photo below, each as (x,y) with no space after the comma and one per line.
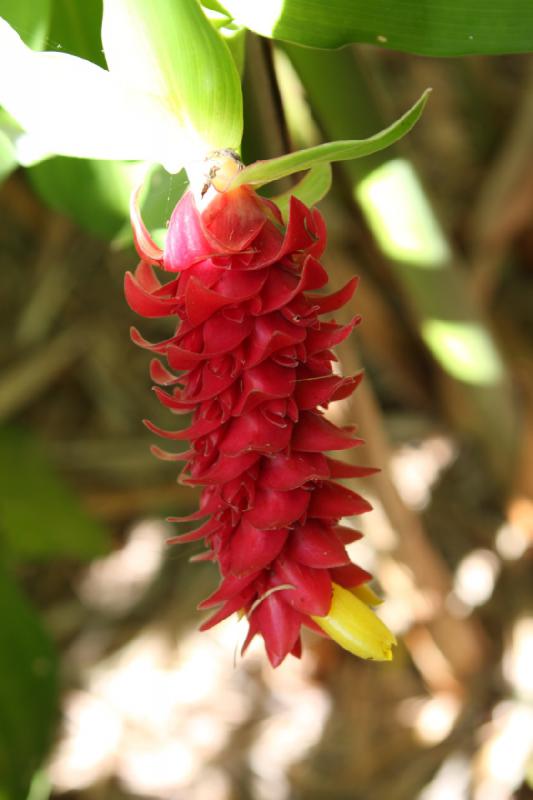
(234,35)
(170,49)
(275,168)
(75,27)
(103,206)
(444,28)
(310,190)
(172,93)
(30,18)
(72,107)
(28,691)
(235,38)
(40,516)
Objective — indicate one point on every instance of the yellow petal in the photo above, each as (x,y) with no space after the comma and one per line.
(355,627)
(367,595)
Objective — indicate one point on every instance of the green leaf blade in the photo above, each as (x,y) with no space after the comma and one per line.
(76,27)
(265,171)
(28,691)
(425,27)
(171,50)
(103,207)
(89,114)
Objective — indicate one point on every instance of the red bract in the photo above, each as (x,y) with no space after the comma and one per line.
(254,368)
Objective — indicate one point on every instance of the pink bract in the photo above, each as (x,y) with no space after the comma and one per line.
(254,367)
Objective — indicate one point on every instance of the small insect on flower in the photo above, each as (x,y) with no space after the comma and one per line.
(251,359)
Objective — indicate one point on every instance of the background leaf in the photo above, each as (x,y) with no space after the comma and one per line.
(310,190)
(446,28)
(28,691)
(30,18)
(40,517)
(102,207)
(75,28)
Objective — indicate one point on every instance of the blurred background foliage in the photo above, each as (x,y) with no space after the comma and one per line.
(106,690)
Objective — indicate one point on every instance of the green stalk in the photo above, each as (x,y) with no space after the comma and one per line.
(265,135)
(396,207)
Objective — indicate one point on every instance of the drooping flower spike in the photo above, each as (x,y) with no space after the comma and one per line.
(251,359)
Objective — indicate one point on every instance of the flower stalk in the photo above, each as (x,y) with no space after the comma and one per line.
(251,359)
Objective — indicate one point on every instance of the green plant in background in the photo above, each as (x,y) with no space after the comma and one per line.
(41,520)
(457,27)
(151,109)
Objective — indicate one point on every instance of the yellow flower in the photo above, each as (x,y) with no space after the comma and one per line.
(352,624)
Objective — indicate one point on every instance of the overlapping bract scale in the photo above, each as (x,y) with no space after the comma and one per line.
(252,360)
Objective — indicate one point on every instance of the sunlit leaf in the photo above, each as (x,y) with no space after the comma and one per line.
(40,516)
(30,18)
(173,93)
(74,108)
(28,691)
(233,34)
(171,50)
(446,28)
(265,171)
(401,216)
(464,349)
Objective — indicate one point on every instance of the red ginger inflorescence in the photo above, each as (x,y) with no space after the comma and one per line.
(254,364)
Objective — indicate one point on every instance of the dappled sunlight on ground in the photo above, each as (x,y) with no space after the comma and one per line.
(158,715)
(182,715)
